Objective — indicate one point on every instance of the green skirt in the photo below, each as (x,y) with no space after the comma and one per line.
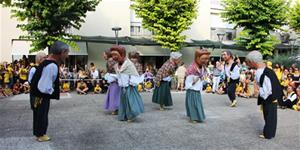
(194,106)
(162,94)
(131,103)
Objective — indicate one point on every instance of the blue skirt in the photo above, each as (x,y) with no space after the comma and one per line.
(131,103)
(162,94)
(112,100)
(194,106)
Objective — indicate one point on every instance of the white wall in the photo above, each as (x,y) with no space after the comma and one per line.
(8,31)
(109,13)
(200,29)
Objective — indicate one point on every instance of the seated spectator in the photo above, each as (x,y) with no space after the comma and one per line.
(89,85)
(222,88)
(104,85)
(297,105)
(65,87)
(97,89)
(140,88)
(1,77)
(296,77)
(6,78)
(208,88)
(284,80)
(82,74)
(291,98)
(82,87)
(148,86)
(2,94)
(240,89)
(243,76)
(26,87)
(17,88)
(8,92)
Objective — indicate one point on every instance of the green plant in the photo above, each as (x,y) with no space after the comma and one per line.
(294,20)
(257,18)
(167,19)
(287,60)
(47,21)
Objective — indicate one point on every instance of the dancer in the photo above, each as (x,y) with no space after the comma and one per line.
(162,91)
(45,86)
(193,84)
(232,76)
(131,103)
(134,57)
(112,100)
(270,92)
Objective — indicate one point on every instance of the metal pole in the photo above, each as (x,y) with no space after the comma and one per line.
(116,33)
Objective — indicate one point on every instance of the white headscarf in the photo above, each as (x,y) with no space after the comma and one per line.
(127,68)
(175,55)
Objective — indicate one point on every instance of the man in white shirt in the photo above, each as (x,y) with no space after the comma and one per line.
(232,73)
(39,58)
(45,86)
(270,92)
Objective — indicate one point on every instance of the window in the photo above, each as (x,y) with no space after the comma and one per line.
(229,34)
(137,30)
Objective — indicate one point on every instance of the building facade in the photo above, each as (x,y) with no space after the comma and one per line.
(116,13)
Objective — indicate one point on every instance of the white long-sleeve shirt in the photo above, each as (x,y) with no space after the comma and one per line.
(31,73)
(291,96)
(266,88)
(124,80)
(234,74)
(189,83)
(49,74)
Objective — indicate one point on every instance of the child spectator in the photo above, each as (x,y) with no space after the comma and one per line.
(17,88)
(82,87)
(65,87)
(97,89)
(26,87)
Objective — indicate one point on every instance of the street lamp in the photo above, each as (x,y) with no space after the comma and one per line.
(116,29)
(220,38)
(292,43)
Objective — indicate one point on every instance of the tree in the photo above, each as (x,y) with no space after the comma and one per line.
(257,18)
(47,21)
(5,2)
(166,19)
(294,21)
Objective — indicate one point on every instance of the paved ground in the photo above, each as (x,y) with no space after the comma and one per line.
(79,123)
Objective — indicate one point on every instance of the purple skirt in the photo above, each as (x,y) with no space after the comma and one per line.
(113,96)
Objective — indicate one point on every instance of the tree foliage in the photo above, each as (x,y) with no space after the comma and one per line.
(166,19)
(294,21)
(257,18)
(47,21)
(5,2)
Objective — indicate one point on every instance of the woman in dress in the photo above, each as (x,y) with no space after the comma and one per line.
(131,103)
(194,84)
(112,100)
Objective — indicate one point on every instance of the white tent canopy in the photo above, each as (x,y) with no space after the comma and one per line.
(22,47)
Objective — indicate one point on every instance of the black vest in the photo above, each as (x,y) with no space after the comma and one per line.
(230,70)
(277,92)
(34,66)
(36,78)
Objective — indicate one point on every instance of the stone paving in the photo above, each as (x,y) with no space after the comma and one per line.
(78,122)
